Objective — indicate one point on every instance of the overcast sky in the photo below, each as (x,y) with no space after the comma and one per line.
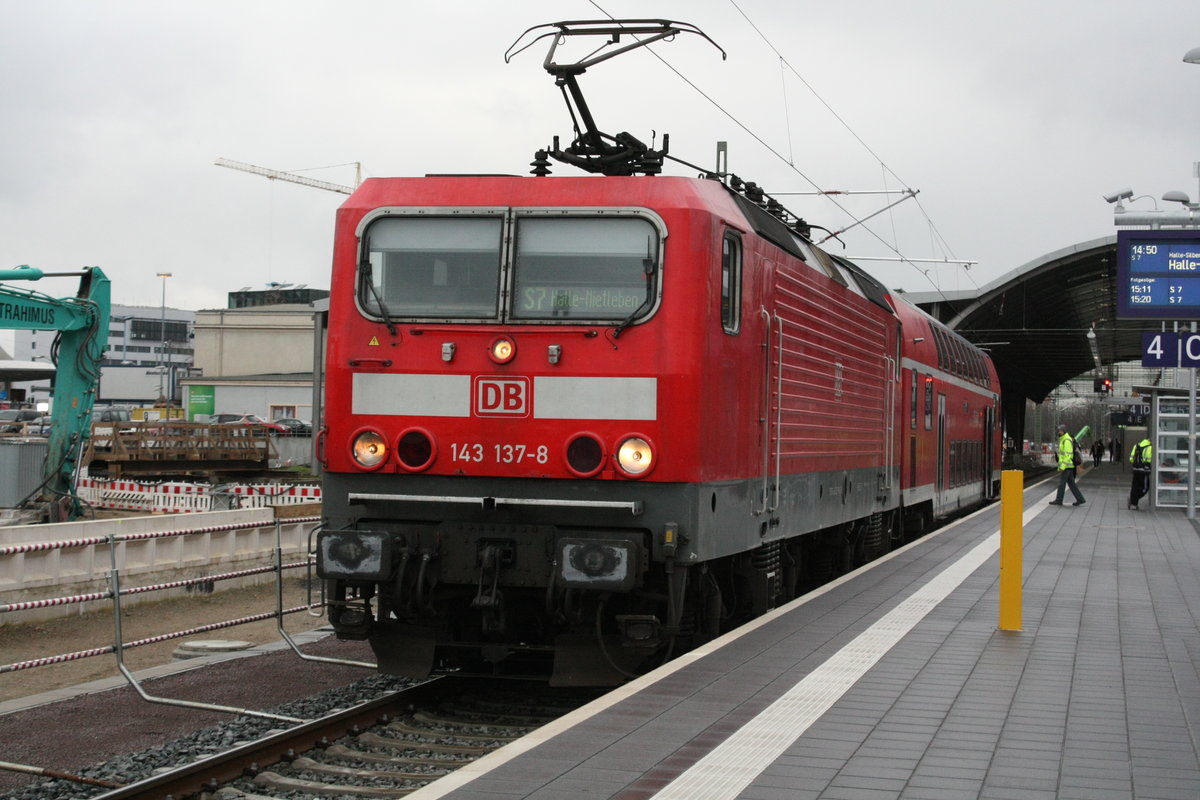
(1011,118)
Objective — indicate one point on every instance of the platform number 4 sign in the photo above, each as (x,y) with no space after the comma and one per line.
(1160,349)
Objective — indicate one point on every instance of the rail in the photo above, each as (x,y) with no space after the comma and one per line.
(117,544)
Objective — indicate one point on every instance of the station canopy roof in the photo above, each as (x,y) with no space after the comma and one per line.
(1034,321)
(12,370)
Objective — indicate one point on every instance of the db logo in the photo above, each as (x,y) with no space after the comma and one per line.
(501,397)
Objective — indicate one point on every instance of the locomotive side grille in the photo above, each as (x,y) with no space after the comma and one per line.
(831,362)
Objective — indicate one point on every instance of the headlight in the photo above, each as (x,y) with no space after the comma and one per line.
(635,456)
(369,449)
(502,350)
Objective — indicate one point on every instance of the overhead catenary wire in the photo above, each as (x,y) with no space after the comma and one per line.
(944,246)
(773,151)
(787,117)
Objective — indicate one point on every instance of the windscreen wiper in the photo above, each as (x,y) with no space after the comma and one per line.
(364,269)
(647,270)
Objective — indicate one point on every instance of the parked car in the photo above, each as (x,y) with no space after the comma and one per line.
(12,419)
(296,427)
(246,420)
(111,414)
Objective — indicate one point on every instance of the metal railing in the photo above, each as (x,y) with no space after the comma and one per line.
(116,591)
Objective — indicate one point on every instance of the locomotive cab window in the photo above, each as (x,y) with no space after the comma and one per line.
(427,267)
(593,268)
(731,283)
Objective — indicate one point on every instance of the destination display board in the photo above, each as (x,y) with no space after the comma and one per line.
(1158,274)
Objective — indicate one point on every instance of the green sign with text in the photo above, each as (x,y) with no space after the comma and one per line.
(201,400)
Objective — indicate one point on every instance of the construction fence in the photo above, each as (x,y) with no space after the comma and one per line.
(180,497)
(38,563)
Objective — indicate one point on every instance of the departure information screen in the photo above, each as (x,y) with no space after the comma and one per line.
(1158,274)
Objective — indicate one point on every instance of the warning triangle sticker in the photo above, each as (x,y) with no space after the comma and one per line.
(374,342)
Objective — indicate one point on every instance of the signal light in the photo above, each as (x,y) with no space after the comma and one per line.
(415,450)
(585,455)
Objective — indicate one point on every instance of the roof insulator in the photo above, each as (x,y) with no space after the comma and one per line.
(540,164)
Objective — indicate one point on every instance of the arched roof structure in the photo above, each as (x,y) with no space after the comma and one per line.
(1035,321)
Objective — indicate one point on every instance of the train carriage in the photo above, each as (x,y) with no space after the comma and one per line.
(573,425)
(952,438)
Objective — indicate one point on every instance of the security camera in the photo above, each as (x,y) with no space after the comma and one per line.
(1119,195)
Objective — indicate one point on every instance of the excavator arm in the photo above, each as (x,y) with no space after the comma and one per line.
(82,323)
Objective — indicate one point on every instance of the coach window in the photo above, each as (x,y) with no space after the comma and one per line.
(916,379)
(593,268)
(430,267)
(928,402)
(731,283)
(937,341)
(958,352)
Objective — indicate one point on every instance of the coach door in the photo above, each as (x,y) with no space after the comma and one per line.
(941,442)
(988,450)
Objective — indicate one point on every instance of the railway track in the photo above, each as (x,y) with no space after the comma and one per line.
(384,748)
(387,747)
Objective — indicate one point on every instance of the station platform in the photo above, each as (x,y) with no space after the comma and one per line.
(895,682)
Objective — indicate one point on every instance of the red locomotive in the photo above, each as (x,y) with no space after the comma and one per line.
(575,424)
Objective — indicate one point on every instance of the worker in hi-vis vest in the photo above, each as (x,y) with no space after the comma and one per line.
(1140,457)
(1067,450)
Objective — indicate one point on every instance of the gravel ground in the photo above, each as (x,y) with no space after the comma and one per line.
(77,734)
(118,737)
(22,640)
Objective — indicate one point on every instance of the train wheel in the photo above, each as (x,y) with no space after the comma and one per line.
(820,565)
(876,539)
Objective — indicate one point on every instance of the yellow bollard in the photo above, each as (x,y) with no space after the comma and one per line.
(1012,484)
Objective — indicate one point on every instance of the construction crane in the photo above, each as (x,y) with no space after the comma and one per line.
(276,175)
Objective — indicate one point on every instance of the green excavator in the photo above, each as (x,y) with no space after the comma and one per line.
(82,325)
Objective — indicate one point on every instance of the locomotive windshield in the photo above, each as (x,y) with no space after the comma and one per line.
(562,268)
(432,267)
(584,268)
